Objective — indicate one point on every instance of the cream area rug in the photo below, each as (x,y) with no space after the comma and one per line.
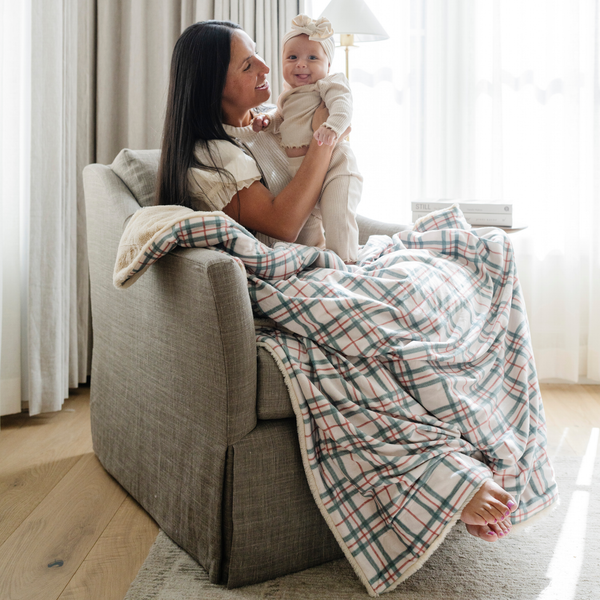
(556,558)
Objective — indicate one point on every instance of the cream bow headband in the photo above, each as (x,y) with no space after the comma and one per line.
(317,31)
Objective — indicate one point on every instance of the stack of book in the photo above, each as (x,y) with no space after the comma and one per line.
(496,214)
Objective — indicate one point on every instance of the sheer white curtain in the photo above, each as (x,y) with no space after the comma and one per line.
(45,300)
(495,99)
(523,77)
(56,301)
(548,98)
(15,41)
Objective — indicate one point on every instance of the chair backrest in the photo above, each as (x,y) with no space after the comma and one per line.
(138,170)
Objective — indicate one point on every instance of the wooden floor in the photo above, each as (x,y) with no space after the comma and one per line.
(69,531)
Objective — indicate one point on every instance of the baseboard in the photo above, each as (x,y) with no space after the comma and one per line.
(10,396)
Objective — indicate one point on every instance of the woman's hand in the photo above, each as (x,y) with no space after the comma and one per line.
(321,115)
(284,215)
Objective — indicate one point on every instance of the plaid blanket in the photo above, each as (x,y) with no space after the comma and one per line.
(411,374)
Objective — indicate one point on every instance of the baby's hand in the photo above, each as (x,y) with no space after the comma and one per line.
(324,135)
(260,122)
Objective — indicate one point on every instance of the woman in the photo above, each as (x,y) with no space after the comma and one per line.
(213,160)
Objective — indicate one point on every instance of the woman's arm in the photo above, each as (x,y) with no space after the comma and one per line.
(284,215)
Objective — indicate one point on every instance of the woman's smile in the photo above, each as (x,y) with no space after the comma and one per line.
(246,85)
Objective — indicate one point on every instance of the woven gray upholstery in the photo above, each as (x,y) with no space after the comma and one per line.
(273,401)
(137,169)
(272,495)
(164,411)
(192,421)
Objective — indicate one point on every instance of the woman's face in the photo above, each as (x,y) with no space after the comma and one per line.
(246,85)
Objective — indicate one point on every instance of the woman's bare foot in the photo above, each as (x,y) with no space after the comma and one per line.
(492,532)
(490,505)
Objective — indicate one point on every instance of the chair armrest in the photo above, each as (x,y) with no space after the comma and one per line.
(173,373)
(186,325)
(368,227)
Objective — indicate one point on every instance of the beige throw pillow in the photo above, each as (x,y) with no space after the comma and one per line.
(138,169)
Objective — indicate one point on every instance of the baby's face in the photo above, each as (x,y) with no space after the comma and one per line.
(304,61)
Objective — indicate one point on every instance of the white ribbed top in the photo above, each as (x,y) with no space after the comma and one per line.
(269,155)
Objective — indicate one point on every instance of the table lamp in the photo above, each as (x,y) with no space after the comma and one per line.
(353,21)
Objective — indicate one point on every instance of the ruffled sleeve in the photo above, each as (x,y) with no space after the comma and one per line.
(214,190)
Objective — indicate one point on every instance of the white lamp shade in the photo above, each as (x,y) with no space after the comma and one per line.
(354,16)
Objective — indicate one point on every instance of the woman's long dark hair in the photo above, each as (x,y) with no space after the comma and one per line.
(198,73)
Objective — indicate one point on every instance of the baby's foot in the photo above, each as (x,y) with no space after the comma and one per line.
(490,505)
(492,532)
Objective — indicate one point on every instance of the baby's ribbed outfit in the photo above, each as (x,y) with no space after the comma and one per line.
(336,210)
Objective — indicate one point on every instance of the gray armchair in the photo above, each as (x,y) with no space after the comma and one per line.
(186,414)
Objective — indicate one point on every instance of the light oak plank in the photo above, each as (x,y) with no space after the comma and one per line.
(116,558)
(39,559)
(20,432)
(69,509)
(38,454)
(572,411)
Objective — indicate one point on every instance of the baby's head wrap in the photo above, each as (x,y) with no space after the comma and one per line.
(317,31)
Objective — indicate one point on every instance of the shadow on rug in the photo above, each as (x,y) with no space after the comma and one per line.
(556,558)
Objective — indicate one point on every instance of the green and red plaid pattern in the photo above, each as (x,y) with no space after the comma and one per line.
(403,370)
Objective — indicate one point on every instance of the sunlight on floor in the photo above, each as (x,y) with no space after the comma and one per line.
(563,437)
(587,464)
(565,566)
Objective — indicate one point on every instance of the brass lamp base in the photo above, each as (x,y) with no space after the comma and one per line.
(347,41)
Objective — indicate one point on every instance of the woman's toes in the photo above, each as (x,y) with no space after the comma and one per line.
(506,502)
(481,518)
(491,504)
(483,532)
(501,529)
(496,513)
(506,526)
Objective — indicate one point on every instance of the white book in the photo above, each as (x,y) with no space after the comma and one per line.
(472,206)
(493,219)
